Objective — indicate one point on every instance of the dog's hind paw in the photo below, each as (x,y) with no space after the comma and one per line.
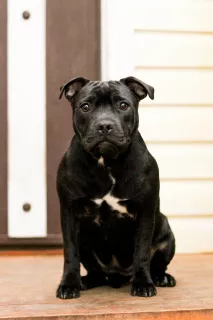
(67,292)
(165,280)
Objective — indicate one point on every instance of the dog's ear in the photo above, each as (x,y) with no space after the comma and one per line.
(72,87)
(139,88)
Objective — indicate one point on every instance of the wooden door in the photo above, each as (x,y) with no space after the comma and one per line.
(66,45)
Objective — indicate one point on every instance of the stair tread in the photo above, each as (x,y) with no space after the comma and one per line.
(28,283)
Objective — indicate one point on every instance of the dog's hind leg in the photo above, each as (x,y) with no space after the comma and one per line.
(95,276)
(160,260)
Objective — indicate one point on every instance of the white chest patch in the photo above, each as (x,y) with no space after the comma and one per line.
(101,161)
(112,201)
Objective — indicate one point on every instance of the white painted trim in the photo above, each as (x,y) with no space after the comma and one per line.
(104,39)
(26,118)
(117,56)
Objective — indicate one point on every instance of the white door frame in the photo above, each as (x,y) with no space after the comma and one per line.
(116,43)
(26,68)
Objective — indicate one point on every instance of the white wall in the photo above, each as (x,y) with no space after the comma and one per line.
(169,44)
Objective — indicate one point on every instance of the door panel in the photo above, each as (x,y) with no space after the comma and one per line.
(26,73)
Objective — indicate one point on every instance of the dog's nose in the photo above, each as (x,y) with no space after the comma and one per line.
(105,127)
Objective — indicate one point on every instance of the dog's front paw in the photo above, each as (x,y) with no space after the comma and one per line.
(65,291)
(143,289)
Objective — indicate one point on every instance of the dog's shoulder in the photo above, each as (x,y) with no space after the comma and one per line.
(140,160)
(69,165)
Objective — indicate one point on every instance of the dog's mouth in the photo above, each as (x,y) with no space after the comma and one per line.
(118,141)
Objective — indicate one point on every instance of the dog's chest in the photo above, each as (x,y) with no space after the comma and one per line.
(116,205)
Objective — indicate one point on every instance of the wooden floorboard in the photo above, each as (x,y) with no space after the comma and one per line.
(28,283)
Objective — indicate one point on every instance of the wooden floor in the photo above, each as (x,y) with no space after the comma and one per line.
(28,283)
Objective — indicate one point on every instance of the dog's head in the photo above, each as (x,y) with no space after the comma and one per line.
(105,113)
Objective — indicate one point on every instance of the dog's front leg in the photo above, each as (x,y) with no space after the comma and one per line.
(142,285)
(70,284)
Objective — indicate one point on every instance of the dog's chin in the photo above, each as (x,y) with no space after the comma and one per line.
(107,150)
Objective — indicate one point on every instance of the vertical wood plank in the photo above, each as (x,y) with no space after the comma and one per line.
(72,49)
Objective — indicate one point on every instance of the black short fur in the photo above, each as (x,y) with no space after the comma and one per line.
(128,240)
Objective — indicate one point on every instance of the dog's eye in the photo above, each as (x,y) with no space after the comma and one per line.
(85,107)
(123,106)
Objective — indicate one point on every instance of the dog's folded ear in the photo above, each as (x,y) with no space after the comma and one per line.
(139,88)
(72,87)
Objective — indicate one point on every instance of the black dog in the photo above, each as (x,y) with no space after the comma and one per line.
(108,187)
